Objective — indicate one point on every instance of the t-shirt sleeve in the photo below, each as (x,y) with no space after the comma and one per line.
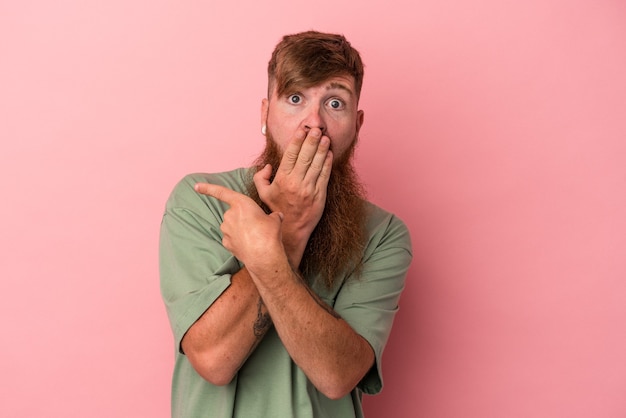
(369,302)
(194,266)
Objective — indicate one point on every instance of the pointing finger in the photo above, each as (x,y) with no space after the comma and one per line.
(219,192)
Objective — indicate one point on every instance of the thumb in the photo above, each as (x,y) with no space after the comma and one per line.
(262,177)
(278,215)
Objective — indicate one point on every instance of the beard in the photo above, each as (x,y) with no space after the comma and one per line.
(335,247)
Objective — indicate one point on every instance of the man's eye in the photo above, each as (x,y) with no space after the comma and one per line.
(295,99)
(335,104)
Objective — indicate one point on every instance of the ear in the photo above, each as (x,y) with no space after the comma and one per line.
(265,106)
(360,116)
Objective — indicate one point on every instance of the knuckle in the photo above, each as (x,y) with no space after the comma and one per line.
(305,160)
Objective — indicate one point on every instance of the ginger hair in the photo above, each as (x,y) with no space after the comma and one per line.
(309,58)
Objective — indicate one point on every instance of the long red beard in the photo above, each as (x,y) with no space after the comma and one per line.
(336,245)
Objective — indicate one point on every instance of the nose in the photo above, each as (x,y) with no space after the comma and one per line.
(314,119)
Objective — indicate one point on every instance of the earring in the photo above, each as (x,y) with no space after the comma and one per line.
(264,129)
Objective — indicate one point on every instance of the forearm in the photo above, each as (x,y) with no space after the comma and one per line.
(294,243)
(227,333)
(332,355)
(221,340)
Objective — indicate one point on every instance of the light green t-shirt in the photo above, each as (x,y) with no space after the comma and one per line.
(195,269)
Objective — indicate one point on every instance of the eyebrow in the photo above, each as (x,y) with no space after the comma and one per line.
(340,86)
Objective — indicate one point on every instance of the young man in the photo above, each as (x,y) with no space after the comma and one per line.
(281,281)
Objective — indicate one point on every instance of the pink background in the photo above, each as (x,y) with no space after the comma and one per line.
(496,130)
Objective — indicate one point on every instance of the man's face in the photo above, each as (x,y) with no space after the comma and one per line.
(337,241)
(330,106)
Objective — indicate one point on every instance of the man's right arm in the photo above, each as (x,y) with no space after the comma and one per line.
(221,340)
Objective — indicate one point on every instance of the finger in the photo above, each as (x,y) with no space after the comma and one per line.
(290,156)
(308,151)
(262,177)
(278,215)
(219,192)
(324,176)
(319,159)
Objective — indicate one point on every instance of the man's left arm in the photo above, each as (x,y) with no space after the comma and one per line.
(332,355)
(339,348)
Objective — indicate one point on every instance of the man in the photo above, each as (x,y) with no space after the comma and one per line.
(281,281)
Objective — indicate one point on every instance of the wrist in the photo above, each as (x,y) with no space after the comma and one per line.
(294,243)
(268,271)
